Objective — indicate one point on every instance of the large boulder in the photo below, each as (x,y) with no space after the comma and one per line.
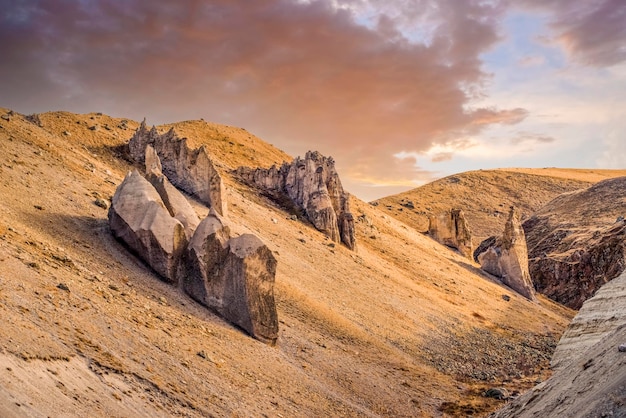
(507,258)
(190,170)
(234,277)
(577,242)
(451,229)
(139,219)
(312,186)
(174,201)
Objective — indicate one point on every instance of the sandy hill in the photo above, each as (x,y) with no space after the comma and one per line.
(486,195)
(403,327)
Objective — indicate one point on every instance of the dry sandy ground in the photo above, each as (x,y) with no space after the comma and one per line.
(402,327)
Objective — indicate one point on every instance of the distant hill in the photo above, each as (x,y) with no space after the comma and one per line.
(399,328)
(486,195)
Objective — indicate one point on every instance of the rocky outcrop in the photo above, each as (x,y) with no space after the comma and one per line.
(451,229)
(139,219)
(577,242)
(590,373)
(598,317)
(507,258)
(176,204)
(312,186)
(190,170)
(234,277)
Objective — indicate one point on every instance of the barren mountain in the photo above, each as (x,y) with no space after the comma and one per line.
(399,328)
(486,195)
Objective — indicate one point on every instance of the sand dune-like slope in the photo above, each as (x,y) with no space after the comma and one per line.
(403,327)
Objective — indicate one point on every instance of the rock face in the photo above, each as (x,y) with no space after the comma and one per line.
(597,318)
(451,229)
(590,376)
(138,218)
(507,257)
(312,185)
(177,205)
(189,170)
(577,242)
(234,277)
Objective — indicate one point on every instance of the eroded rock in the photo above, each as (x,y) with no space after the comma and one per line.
(313,187)
(190,170)
(234,277)
(176,204)
(139,219)
(451,229)
(507,258)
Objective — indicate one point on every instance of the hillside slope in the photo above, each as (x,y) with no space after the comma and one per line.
(576,242)
(486,195)
(400,328)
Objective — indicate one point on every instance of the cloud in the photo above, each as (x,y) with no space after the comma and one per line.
(592,32)
(302,75)
(530,137)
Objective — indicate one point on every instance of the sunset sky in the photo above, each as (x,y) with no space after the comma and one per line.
(399,94)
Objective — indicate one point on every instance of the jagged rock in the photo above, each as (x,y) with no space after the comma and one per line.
(176,204)
(507,258)
(138,218)
(311,185)
(575,244)
(234,277)
(190,170)
(598,316)
(451,229)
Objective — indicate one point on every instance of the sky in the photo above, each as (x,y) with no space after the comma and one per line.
(399,92)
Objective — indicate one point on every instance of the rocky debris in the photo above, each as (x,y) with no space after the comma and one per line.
(507,257)
(139,219)
(101,203)
(190,170)
(575,244)
(312,186)
(598,317)
(234,277)
(176,204)
(497,393)
(622,348)
(451,229)
(34,119)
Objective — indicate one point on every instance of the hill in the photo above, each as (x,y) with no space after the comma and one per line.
(400,328)
(486,195)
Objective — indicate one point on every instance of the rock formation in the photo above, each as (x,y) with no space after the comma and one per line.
(312,185)
(234,277)
(507,257)
(189,170)
(177,205)
(577,242)
(451,229)
(590,373)
(598,317)
(138,218)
